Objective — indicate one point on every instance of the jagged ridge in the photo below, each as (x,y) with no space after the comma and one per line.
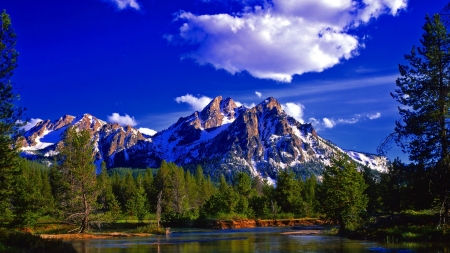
(223,138)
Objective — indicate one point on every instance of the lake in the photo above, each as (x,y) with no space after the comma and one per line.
(247,240)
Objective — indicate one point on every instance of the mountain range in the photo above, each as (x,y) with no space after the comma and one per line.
(223,138)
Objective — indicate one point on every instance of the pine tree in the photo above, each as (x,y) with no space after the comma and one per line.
(137,204)
(9,116)
(243,187)
(424,94)
(149,187)
(78,177)
(341,194)
(193,192)
(177,194)
(106,199)
(32,198)
(309,195)
(288,193)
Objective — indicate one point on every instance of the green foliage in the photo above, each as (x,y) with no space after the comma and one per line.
(423,93)
(151,229)
(135,172)
(341,194)
(32,198)
(10,117)
(309,196)
(124,188)
(107,201)
(77,177)
(289,193)
(14,241)
(137,205)
(260,205)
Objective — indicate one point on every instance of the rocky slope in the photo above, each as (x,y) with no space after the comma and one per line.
(223,138)
(43,139)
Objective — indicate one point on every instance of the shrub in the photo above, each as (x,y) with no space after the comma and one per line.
(14,241)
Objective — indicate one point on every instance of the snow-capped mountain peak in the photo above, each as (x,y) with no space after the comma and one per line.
(222,137)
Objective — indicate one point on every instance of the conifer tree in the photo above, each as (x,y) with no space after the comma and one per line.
(178,197)
(10,115)
(137,204)
(309,195)
(78,177)
(243,187)
(341,194)
(193,193)
(107,201)
(424,95)
(32,198)
(150,191)
(288,192)
(127,190)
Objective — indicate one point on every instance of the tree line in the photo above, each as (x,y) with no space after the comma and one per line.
(71,191)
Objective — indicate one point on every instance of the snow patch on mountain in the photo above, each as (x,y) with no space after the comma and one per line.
(259,140)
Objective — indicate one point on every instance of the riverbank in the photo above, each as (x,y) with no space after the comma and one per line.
(252,223)
(17,241)
(92,235)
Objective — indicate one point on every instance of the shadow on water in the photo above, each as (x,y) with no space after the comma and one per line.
(247,240)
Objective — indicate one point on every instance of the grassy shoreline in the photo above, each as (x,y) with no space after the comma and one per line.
(399,227)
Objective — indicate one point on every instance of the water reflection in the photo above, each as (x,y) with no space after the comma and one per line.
(256,240)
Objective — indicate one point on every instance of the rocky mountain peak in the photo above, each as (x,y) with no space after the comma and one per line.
(88,122)
(63,121)
(217,112)
(269,104)
(223,137)
(228,106)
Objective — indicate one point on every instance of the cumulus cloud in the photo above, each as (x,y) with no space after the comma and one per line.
(196,103)
(294,110)
(259,94)
(280,40)
(374,116)
(122,120)
(124,4)
(147,131)
(31,123)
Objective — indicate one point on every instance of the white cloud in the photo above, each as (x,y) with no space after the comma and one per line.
(331,122)
(374,116)
(259,94)
(287,38)
(196,103)
(294,110)
(249,105)
(122,120)
(350,121)
(123,4)
(147,131)
(315,122)
(31,123)
(328,123)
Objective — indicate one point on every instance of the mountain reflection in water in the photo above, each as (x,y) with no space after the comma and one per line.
(247,240)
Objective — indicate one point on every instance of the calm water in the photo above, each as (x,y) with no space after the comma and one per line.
(247,240)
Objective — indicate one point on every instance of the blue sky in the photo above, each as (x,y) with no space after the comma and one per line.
(149,62)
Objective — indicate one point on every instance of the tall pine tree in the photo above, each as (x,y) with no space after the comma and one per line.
(424,94)
(341,194)
(9,115)
(78,177)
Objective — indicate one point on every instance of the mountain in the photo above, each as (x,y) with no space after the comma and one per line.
(223,138)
